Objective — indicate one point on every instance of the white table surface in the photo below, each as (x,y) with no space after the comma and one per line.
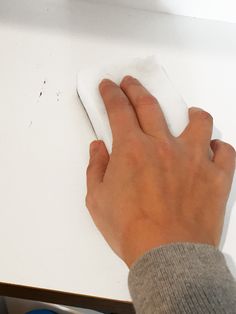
(47,238)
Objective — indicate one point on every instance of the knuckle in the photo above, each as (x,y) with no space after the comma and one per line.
(165,148)
(131,158)
(220,180)
(133,140)
(196,158)
(117,104)
(146,100)
(204,115)
(117,100)
(133,150)
(230,149)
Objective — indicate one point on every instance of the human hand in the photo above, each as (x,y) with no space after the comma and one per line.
(154,188)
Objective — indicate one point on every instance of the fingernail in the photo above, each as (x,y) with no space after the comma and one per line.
(128,77)
(94,146)
(105,81)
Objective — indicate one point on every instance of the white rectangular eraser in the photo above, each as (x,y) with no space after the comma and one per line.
(151,74)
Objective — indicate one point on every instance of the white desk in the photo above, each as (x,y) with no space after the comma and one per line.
(47,238)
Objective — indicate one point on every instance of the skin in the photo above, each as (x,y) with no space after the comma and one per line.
(156,189)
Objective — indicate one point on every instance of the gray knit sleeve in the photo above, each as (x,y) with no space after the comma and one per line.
(182,278)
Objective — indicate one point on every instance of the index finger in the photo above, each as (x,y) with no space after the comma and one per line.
(120,112)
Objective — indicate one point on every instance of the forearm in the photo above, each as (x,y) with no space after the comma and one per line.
(182,278)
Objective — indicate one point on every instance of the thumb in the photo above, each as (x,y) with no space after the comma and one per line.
(98,162)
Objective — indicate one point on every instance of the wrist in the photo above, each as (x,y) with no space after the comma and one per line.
(145,236)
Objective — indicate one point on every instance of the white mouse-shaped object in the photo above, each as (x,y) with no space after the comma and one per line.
(151,74)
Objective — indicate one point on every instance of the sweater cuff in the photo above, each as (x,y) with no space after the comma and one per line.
(182,278)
